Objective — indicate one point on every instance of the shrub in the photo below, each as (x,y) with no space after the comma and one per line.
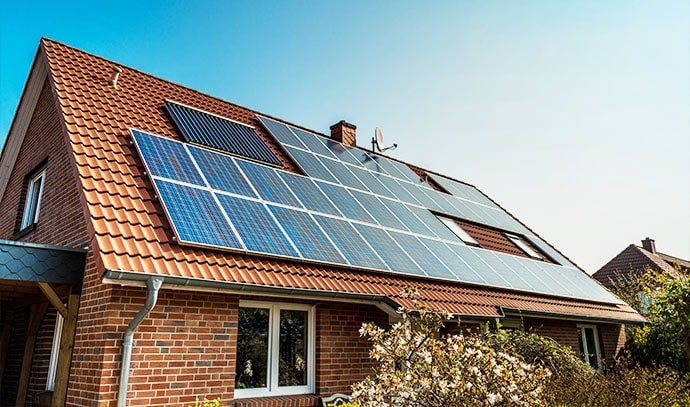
(418,368)
(207,403)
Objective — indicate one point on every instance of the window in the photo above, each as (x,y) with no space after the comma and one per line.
(589,345)
(54,352)
(459,232)
(32,204)
(275,349)
(524,246)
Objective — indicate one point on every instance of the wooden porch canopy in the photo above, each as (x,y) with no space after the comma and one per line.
(37,276)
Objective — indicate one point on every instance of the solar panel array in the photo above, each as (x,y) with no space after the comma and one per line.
(217,200)
(220,133)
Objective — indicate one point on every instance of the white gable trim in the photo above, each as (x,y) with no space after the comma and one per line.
(22,118)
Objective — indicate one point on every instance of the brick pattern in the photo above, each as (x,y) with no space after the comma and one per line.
(61,221)
(563,332)
(41,360)
(612,338)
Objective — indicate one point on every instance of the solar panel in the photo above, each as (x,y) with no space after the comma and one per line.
(221,133)
(311,165)
(485,273)
(343,152)
(434,224)
(348,205)
(420,195)
(281,132)
(166,158)
(350,243)
(195,216)
(513,279)
(268,184)
(408,218)
(307,235)
(316,144)
(396,189)
(372,183)
(221,172)
(342,173)
(390,252)
(459,268)
(255,225)
(378,211)
(463,190)
(309,194)
(431,265)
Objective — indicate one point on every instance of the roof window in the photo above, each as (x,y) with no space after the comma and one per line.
(459,232)
(517,240)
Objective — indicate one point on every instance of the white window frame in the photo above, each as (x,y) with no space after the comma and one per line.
(517,240)
(272,388)
(585,345)
(32,204)
(459,231)
(54,352)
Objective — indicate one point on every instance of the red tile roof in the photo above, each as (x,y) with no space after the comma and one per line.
(132,234)
(636,260)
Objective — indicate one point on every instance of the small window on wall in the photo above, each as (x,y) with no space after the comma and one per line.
(589,345)
(275,349)
(54,352)
(32,204)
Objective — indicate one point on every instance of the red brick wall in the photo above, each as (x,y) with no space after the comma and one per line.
(41,359)
(61,221)
(612,339)
(563,332)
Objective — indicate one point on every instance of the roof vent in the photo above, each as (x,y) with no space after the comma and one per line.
(648,245)
(344,132)
(114,76)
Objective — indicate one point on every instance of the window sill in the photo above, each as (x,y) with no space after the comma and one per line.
(20,234)
(301,400)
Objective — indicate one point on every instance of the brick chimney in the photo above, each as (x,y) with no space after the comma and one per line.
(344,132)
(648,245)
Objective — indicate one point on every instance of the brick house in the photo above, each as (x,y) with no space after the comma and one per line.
(636,260)
(161,244)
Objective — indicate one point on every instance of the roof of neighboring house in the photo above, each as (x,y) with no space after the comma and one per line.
(132,238)
(636,260)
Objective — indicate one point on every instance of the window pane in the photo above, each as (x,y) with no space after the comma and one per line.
(591,348)
(583,353)
(292,370)
(252,348)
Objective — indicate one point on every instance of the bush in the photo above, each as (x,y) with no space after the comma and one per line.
(417,368)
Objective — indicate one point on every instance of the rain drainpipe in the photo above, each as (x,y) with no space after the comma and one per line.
(153,284)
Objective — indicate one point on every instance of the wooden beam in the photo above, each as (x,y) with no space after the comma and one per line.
(35,318)
(55,301)
(5,340)
(69,329)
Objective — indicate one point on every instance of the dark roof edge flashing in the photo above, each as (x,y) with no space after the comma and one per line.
(41,246)
(506,311)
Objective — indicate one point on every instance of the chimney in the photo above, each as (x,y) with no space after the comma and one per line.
(648,245)
(344,132)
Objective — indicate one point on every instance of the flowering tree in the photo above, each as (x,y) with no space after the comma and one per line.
(416,367)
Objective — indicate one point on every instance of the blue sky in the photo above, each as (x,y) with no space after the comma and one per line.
(575,116)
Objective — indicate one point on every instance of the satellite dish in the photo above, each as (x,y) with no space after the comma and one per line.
(377,142)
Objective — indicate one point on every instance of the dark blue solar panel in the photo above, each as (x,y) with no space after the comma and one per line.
(464,209)
(314,143)
(485,273)
(436,226)
(459,268)
(463,190)
(309,194)
(421,195)
(350,243)
(281,132)
(371,161)
(389,251)
(268,184)
(306,235)
(223,134)
(166,158)
(397,190)
(378,211)
(403,170)
(348,205)
(538,280)
(371,181)
(311,165)
(411,221)
(557,257)
(343,152)
(221,172)
(444,205)
(431,265)
(513,278)
(195,216)
(342,173)
(257,228)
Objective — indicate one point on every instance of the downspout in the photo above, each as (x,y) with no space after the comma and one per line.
(153,284)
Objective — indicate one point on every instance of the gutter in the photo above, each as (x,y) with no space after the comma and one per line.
(153,284)
(583,318)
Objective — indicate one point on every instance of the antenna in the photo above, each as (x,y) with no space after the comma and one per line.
(377,142)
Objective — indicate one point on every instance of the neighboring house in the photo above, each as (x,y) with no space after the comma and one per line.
(161,244)
(636,260)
